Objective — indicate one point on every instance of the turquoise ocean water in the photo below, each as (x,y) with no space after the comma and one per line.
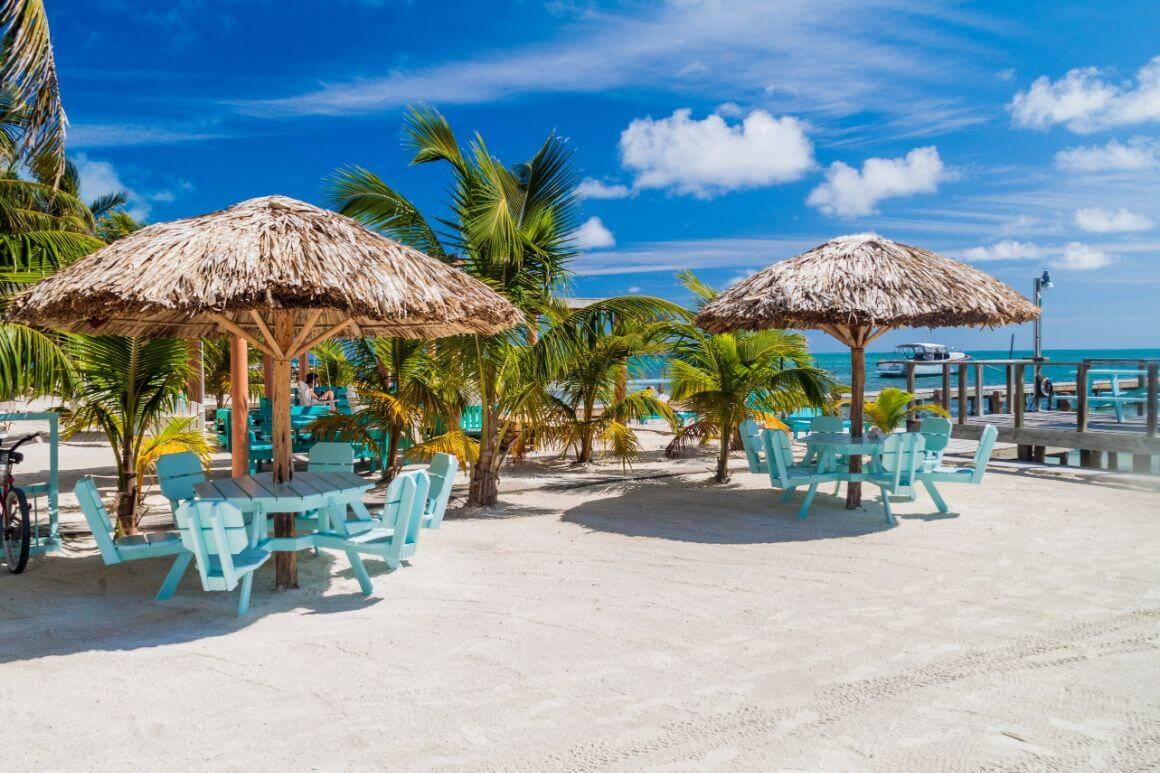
(654,371)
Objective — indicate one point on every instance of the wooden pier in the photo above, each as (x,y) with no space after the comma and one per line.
(1071,423)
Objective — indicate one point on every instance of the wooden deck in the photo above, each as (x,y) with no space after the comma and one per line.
(1057,429)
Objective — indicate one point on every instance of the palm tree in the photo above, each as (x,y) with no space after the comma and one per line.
(588,353)
(406,391)
(892,407)
(126,388)
(28,71)
(725,378)
(509,227)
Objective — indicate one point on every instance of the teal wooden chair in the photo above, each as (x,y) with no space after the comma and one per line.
(330,457)
(972,475)
(134,547)
(395,537)
(834,424)
(178,474)
(260,450)
(896,467)
(471,420)
(751,440)
(226,552)
(442,472)
(786,475)
(936,431)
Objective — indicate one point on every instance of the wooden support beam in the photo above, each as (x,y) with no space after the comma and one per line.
(307,328)
(271,342)
(330,332)
(233,328)
(877,334)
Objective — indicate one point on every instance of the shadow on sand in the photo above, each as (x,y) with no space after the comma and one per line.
(65,604)
(678,509)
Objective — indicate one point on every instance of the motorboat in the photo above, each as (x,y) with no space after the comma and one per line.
(928,358)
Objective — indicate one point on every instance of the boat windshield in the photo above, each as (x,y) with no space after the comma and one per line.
(922,352)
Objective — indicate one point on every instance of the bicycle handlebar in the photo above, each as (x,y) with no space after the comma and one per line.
(21,441)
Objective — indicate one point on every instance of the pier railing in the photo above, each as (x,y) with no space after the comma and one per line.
(1128,386)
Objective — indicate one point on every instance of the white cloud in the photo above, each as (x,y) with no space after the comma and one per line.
(754,48)
(848,192)
(671,256)
(729,110)
(591,188)
(1008,249)
(126,135)
(1085,100)
(634,289)
(710,156)
(1082,257)
(100,178)
(593,235)
(1139,153)
(1103,221)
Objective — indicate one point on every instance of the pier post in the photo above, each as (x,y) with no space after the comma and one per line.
(1023,451)
(995,402)
(979,390)
(962,394)
(910,379)
(946,387)
(1090,459)
(1010,389)
(1081,396)
(1153,378)
(1113,460)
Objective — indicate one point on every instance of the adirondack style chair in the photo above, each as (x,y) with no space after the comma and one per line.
(896,468)
(397,533)
(786,475)
(260,450)
(936,431)
(331,457)
(178,474)
(226,552)
(751,440)
(442,472)
(134,547)
(972,475)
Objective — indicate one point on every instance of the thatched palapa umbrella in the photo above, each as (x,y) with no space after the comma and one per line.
(276,272)
(858,287)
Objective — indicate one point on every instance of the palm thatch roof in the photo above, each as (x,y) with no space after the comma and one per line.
(865,280)
(183,278)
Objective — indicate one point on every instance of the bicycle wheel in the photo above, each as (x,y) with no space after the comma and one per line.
(17,530)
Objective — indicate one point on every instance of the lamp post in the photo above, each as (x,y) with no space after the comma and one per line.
(1041,283)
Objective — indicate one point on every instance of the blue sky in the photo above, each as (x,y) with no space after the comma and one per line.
(718,136)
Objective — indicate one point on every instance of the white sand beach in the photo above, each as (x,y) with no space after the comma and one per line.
(657,623)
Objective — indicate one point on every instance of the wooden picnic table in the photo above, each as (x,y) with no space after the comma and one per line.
(827,447)
(330,494)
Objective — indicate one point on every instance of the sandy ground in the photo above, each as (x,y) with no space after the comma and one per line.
(625,624)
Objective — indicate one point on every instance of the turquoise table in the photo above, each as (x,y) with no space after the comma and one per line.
(826,447)
(329,494)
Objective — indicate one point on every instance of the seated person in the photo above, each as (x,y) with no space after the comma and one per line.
(307,396)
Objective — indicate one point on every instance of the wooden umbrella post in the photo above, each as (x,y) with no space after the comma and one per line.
(857,397)
(239,406)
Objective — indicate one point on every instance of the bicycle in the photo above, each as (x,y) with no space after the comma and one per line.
(15,520)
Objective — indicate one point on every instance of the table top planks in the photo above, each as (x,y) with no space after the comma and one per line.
(305,491)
